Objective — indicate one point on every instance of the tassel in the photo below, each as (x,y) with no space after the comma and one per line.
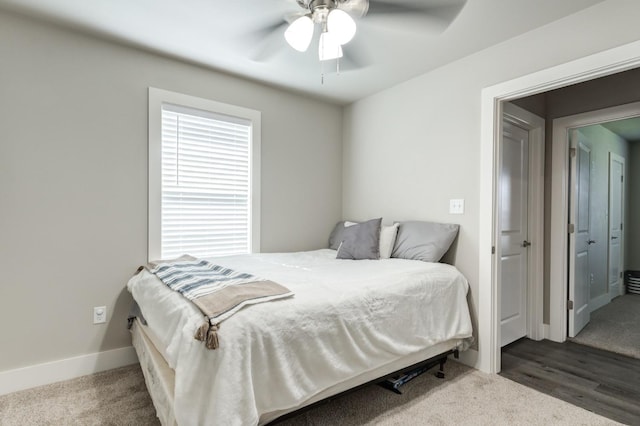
(212,337)
(201,332)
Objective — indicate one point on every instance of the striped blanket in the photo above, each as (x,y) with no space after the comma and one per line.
(217,291)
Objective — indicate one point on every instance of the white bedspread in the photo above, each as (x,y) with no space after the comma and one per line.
(346,317)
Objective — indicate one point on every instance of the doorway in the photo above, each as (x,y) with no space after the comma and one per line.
(597,149)
(613,315)
(617,60)
(587,282)
(520,248)
(594,154)
(598,168)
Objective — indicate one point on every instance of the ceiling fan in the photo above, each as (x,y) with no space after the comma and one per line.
(336,20)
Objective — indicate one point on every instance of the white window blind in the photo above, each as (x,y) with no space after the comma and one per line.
(205,184)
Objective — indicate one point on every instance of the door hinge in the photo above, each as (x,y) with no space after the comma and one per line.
(493,249)
(572,152)
(570,305)
(572,228)
(620,274)
(621,178)
(621,226)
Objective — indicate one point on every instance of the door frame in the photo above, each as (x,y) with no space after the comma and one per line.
(615,157)
(575,196)
(559,239)
(535,126)
(614,60)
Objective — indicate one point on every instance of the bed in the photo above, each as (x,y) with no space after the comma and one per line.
(348,323)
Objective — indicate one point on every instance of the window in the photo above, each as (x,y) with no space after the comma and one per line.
(204,189)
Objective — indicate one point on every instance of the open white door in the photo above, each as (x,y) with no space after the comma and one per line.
(579,241)
(514,212)
(616,209)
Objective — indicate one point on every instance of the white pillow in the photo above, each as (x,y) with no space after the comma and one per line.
(387,238)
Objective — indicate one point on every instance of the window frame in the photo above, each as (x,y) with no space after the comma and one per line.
(158,97)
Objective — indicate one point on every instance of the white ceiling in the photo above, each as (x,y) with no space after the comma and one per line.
(225,35)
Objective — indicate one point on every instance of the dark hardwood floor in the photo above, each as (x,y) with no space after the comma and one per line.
(599,381)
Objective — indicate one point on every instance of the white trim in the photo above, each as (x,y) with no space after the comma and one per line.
(155,171)
(156,98)
(558,241)
(65,369)
(619,289)
(579,316)
(608,62)
(558,272)
(488,315)
(535,280)
(469,357)
(544,331)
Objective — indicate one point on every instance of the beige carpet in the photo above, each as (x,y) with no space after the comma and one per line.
(465,397)
(615,327)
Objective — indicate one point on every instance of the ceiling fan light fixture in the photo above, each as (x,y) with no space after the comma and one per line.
(329,48)
(300,33)
(341,25)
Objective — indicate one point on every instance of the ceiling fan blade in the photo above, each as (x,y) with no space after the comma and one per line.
(264,43)
(267,41)
(266,31)
(290,17)
(356,8)
(440,12)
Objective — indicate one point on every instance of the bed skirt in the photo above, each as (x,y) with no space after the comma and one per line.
(160,378)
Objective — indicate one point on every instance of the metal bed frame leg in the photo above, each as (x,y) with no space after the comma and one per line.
(440,372)
(394,381)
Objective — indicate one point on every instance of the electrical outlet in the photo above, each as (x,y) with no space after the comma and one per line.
(456,206)
(99,314)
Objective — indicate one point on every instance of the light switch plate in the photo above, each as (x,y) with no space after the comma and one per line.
(99,314)
(456,206)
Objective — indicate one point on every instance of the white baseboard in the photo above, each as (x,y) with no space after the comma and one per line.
(544,331)
(65,369)
(469,357)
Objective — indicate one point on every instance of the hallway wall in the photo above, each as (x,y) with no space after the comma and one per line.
(633,224)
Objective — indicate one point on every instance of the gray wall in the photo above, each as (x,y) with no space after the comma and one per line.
(73,180)
(411,148)
(616,89)
(602,141)
(632,234)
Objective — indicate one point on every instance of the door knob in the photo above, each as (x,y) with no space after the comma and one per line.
(526,243)
(591,242)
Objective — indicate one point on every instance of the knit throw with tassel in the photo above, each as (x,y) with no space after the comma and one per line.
(217,291)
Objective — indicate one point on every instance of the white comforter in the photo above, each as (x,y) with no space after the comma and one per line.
(346,317)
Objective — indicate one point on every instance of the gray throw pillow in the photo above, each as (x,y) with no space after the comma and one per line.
(361,241)
(426,241)
(336,236)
